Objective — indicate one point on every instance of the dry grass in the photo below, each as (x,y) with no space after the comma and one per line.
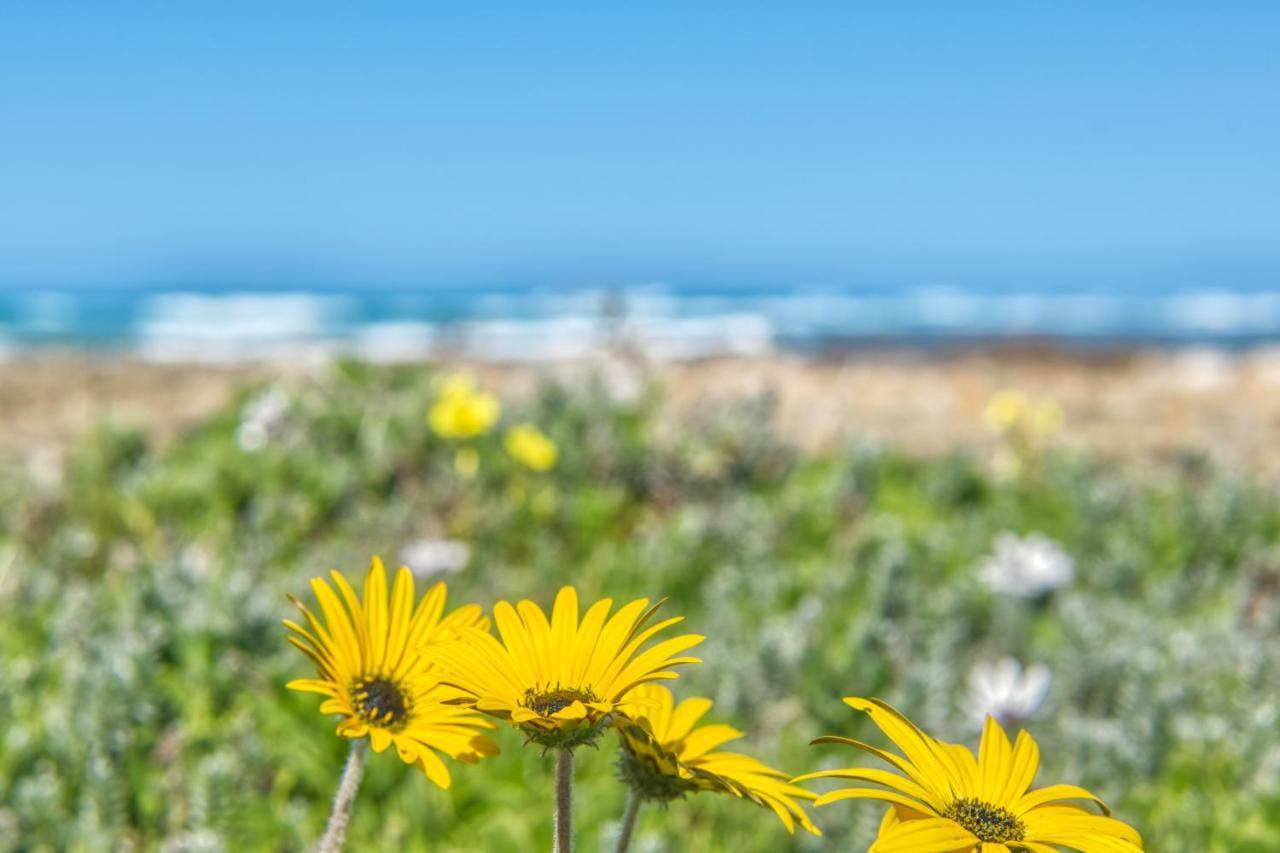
(1137,405)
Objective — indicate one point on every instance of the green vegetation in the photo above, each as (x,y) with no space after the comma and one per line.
(142,686)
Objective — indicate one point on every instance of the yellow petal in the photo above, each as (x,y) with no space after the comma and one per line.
(575,710)
(588,636)
(878,777)
(375,613)
(399,617)
(1055,824)
(406,748)
(684,716)
(1022,768)
(905,766)
(1054,793)
(995,758)
(311,685)
(920,750)
(434,768)
(930,835)
(564,631)
(870,794)
(379,739)
(706,738)
(539,634)
(346,646)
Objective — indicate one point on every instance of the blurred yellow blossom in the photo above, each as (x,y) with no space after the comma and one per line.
(1004,409)
(462,410)
(529,446)
(1024,426)
(1011,411)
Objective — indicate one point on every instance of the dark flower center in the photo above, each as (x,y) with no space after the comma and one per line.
(990,823)
(548,702)
(380,702)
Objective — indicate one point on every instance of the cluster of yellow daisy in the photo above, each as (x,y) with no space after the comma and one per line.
(463,412)
(405,672)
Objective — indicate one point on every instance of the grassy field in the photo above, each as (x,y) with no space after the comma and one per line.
(142,688)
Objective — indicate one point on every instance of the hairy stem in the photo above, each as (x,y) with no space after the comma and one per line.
(628,821)
(336,831)
(564,801)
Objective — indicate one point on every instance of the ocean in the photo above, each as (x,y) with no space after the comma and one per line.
(222,324)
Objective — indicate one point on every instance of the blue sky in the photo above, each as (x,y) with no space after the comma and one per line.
(1010,144)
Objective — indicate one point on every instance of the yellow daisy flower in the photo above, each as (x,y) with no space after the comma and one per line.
(946,799)
(374,661)
(561,680)
(1005,409)
(462,411)
(530,447)
(664,757)
(1011,411)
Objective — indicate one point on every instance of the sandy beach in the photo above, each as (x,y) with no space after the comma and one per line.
(1144,405)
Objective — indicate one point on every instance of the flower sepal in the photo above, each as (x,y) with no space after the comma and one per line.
(585,732)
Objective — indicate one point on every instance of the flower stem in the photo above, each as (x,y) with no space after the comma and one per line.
(336,831)
(564,801)
(628,821)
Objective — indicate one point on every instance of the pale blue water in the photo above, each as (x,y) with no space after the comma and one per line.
(519,322)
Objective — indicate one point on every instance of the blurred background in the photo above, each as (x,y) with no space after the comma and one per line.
(929,352)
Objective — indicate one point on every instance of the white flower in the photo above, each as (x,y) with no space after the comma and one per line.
(427,557)
(1006,691)
(1026,566)
(262,419)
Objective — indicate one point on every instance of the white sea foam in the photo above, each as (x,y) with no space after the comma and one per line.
(560,338)
(705,337)
(947,307)
(579,337)
(398,342)
(818,312)
(1224,312)
(530,327)
(237,326)
(544,324)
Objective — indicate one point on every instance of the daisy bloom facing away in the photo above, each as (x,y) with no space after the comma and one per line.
(374,664)
(1027,566)
(666,754)
(943,799)
(1005,690)
(561,680)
